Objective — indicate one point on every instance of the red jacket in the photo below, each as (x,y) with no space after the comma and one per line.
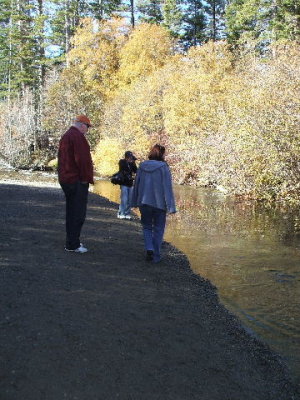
(74,158)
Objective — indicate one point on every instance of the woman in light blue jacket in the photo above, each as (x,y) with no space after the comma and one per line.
(153,194)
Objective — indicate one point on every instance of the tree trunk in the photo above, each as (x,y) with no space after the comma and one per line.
(9,125)
(132,13)
(195,23)
(38,98)
(67,28)
(214,27)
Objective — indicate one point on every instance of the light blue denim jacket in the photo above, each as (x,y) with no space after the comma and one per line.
(153,186)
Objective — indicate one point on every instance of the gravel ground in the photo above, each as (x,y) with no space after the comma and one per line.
(108,325)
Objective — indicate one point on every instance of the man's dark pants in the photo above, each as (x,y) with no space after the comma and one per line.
(76,201)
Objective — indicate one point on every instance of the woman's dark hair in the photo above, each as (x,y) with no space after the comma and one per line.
(157,153)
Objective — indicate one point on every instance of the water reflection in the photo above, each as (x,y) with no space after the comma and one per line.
(250,253)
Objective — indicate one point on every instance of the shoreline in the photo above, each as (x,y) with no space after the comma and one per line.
(267,202)
(169,324)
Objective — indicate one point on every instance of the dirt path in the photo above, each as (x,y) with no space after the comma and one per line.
(106,324)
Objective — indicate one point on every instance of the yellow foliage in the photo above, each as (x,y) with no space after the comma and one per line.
(228,121)
(147,50)
(53,163)
(214,58)
(89,79)
(197,91)
(235,124)
(96,52)
(107,155)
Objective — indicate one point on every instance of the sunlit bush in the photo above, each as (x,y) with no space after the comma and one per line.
(229,122)
(147,50)
(89,79)
(107,155)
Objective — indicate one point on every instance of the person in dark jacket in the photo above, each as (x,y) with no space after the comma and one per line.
(75,173)
(153,194)
(128,167)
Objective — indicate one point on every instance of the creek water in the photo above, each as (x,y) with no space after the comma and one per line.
(251,253)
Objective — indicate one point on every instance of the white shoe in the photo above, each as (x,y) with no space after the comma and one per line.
(80,249)
(128,217)
(121,216)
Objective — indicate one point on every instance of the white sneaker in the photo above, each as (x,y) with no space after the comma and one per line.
(121,216)
(128,217)
(80,249)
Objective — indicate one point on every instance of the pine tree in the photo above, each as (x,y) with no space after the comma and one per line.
(264,21)
(5,46)
(215,24)
(194,23)
(69,13)
(284,16)
(150,11)
(65,21)
(23,64)
(40,62)
(172,16)
(103,9)
(17,47)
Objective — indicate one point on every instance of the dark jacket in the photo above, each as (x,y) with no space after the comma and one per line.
(128,168)
(74,158)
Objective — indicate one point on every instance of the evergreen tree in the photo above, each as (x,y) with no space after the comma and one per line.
(215,24)
(194,23)
(103,9)
(284,17)
(5,46)
(22,62)
(150,11)
(69,12)
(263,20)
(172,16)
(17,46)
(65,21)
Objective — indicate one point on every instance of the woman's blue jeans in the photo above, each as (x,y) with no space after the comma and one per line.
(126,193)
(153,221)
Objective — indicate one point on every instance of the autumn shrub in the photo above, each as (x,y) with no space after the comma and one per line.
(227,122)
(147,50)
(17,138)
(264,117)
(193,103)
(89,79)
(106,156)
(134,115)
(241,123)
(97,53)
(66,97)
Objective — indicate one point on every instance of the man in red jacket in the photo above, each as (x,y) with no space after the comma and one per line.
(75,173)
